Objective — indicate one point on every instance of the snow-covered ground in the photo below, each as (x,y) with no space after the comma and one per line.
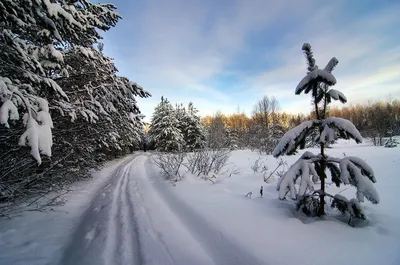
(37,238)
(129,215)
(276,233)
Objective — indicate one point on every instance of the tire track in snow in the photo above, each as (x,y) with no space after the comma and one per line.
(122,242)
(112,253)
(106,234)
(156,250)
(131,244)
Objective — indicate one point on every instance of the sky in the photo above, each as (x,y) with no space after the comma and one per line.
(225,55)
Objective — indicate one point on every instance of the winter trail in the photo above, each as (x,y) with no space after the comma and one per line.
(137,219)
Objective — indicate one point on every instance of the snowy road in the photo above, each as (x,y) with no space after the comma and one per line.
(137,219)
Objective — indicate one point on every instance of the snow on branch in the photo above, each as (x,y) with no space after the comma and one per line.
(337,95)
(8,111)
(335,173)
(358,173)
(366,170)
(327,135)
(309,56)
(286,184)
(293,138)
(314,77)
(32,135)
(331,65)
(345,127)
(352,207)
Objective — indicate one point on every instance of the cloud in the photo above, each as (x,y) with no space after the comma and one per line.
(225,54)
(368,58)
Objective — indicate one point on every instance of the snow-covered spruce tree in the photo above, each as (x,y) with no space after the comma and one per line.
(193,132)
(348,170)
(164,133)
(180,115)
(32,34)
(103,100)
(48,55)
(232,139)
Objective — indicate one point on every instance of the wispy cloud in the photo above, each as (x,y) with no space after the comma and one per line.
(225,54)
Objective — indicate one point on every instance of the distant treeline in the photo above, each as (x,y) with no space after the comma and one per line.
(374,120)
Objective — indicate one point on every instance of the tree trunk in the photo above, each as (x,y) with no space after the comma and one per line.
(321,210)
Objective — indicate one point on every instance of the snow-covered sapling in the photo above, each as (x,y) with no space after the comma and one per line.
(257,164)
(349,170)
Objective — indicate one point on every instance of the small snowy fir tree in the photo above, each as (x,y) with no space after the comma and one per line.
(232,139)
(164,131)
(311,168)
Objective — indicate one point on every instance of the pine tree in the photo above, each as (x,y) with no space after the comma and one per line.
(348,170)
(164,131)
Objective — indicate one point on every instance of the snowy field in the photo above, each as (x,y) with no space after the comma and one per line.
(276,233)
(197,222)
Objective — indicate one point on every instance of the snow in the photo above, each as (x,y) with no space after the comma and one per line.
(8,111)
(369,172)
(38,135)
(3,86)
(290,139)
(55,53)
(32,134)
(51,23)
(269,228)
(331,64)
(196,222)
(55,10)
(43,104)
(337,95)
(317,74)
(45,135)
(351,173)
(287,184)
(86,51)
(327,135)
(345,126)
(37,238)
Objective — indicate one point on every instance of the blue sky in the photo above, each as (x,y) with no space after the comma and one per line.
(227,54)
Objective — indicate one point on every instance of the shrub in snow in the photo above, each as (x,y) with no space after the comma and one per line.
(298,182)
(206,161)
(391,143)
(170,164)
(257,165)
